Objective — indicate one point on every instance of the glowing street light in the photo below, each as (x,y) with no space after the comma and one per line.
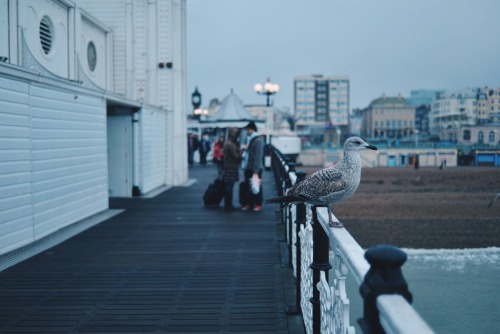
(267,89)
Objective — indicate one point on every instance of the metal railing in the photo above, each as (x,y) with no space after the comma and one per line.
(314,247)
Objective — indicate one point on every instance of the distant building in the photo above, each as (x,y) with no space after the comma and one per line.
(355,121)
(452,111)
(422,119)
(388,117)
(321,104)
(484,135)
(420,97)
(488,106)
(469,116)
(273,116)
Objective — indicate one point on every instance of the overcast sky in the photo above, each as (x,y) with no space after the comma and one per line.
(384,46)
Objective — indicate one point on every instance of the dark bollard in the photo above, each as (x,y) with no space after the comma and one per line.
(301,219)
(321,262)
(384,277)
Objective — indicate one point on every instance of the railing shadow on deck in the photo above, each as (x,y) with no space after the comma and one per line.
(314,247)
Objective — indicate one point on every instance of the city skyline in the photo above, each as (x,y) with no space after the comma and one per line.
(386,47)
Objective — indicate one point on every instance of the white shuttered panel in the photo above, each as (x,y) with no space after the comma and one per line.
(153,149)
(69,158)
(16,222)
(53,166)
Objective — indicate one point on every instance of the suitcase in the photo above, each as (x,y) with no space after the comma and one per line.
(214,193)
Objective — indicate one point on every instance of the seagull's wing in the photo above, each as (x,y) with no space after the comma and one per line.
(322,183)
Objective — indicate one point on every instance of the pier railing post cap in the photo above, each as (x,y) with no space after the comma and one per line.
(301,175)
(387,256)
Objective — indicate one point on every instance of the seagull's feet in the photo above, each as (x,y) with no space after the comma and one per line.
(332,223)
(335,224)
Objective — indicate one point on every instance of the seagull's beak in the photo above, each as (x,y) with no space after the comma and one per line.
(371,147)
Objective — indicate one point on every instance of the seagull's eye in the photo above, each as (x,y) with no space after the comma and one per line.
(357,142)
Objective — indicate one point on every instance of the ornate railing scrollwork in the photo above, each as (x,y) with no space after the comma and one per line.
(306,275)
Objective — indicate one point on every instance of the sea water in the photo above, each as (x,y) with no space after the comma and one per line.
(454,291)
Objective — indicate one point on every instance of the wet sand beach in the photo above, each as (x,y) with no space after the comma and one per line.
(424,208)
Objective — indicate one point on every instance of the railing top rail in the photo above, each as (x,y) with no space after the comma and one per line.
(352,253)
(397,316)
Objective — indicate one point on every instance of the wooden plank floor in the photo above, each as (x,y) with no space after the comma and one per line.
(166,264)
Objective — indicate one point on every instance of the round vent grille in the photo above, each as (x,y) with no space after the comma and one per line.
(91,56)
(46,34)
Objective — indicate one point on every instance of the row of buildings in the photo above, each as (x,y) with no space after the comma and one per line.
(468,116)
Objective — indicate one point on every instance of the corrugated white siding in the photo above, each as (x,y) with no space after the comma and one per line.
(53,166)
(16,220)
(153,149)
(69,158)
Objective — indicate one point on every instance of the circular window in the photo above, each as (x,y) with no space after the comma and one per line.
(46,34)
(91,56)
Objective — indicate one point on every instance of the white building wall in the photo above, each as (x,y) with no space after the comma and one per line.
(69,168)
(155,33)
(53,169)
(4,29)
(16,211)
(178,168)
(53,142)
(114,14)
(92,33)
(153,138)
(30,14)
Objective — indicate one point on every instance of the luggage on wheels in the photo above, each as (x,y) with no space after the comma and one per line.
(214,193)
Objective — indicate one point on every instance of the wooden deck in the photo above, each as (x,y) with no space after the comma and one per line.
(166,264)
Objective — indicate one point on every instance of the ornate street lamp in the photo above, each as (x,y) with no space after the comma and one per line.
(196,101)
(268,89)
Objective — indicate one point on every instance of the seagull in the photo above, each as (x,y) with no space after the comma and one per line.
(332,184)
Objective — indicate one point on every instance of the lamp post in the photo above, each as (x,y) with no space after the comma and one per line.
(196,101)
(200,112)
(267,89)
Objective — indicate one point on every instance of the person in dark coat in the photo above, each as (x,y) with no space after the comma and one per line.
(205,147)
(192,147)
(219,155)
(253,166)
(231,158)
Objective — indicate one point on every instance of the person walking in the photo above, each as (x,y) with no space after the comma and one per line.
(231,160)
(219,155)
(253,167)
(192,147)
(204,149)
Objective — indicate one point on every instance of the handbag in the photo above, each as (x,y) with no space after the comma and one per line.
(255,184)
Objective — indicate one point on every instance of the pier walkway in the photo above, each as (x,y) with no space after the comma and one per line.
(165,264)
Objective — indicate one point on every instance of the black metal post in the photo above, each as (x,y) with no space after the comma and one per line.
(321,262)
(291,169)
(384,277)
(300,210)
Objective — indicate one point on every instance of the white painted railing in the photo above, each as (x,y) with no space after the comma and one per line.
(394,314)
